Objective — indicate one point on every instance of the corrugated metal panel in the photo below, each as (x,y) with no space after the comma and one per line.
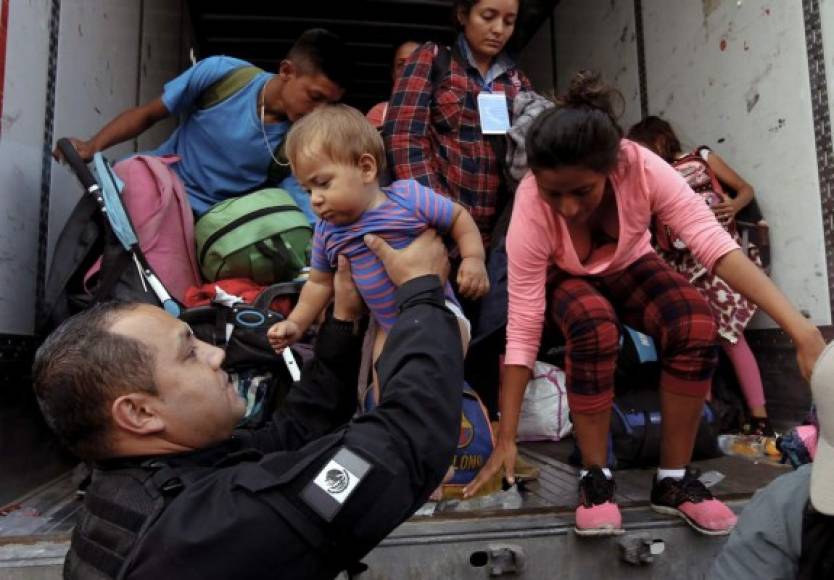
(263,32)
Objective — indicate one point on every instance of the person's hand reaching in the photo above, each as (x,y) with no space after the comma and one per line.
(86,150)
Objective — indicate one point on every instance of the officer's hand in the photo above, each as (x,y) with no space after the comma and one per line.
(348,304)
(425,256)
(86,150)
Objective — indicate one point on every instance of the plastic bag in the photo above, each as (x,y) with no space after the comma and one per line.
(545,415)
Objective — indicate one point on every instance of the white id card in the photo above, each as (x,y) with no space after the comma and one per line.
(495,117)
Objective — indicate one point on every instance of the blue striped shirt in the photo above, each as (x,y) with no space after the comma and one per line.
(410,209)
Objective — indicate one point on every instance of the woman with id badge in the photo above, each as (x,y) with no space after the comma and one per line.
(447,105)
(445,127)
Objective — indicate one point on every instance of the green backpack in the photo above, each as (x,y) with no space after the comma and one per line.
(262,236)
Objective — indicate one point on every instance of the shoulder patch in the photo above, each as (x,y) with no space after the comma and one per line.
(334,484)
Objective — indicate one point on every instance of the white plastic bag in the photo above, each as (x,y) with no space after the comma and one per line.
(544,413)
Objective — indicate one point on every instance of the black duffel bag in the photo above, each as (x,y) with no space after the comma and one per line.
(635,434)
(634,437)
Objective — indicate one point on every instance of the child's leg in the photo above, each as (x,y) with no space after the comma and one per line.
(381,336)
(464,325)
(379,343)
(747,372)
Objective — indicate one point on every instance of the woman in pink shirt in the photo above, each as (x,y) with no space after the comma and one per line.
(580,253)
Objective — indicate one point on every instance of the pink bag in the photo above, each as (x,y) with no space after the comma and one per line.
(155,200)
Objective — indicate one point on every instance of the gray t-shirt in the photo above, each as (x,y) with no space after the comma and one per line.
(767,540)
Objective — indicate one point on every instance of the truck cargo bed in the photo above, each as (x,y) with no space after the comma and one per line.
(537,540)
(34,530)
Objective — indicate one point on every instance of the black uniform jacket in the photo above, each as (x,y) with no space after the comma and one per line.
(327,489)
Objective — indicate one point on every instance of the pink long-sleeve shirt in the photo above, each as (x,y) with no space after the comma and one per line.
(644,186)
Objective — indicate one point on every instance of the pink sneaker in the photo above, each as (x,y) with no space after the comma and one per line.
(689,499)
(597,514)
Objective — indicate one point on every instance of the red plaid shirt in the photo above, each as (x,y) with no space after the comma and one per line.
(436,139)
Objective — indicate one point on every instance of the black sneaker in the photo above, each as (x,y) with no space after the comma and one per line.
(597,514)
(688,498)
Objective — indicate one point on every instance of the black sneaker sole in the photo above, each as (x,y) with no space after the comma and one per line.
(670,511)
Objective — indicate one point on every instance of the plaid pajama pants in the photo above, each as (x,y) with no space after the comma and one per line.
(648,296)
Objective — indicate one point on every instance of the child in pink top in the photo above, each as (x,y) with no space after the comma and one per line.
(579,253)
(707,174)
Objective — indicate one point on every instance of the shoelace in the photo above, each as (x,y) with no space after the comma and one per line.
(694,489)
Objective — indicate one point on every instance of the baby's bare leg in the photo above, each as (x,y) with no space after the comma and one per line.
(464,335)
(379,343)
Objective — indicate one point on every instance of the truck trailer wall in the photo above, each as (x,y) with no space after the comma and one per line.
(537,58)
(23,99)
(109,55)
(599,35)
(733,75)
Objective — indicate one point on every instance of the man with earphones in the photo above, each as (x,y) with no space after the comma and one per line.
(230,130)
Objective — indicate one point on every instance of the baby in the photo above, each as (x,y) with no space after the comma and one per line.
(337,155)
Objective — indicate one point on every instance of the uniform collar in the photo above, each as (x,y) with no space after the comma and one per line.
(207,457)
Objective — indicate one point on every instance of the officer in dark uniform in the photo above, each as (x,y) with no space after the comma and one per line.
(175,494)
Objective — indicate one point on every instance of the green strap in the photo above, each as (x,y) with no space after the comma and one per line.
(228,86)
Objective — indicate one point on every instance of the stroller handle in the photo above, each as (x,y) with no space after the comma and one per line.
(82,172)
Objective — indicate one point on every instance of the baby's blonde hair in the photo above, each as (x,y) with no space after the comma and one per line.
(338,132)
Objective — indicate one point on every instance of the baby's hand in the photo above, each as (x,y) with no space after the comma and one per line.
(283,334)
(473,282)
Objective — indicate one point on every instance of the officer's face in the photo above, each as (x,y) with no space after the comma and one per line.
(195,402)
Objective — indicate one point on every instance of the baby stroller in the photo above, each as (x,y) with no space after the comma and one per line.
(100,228)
